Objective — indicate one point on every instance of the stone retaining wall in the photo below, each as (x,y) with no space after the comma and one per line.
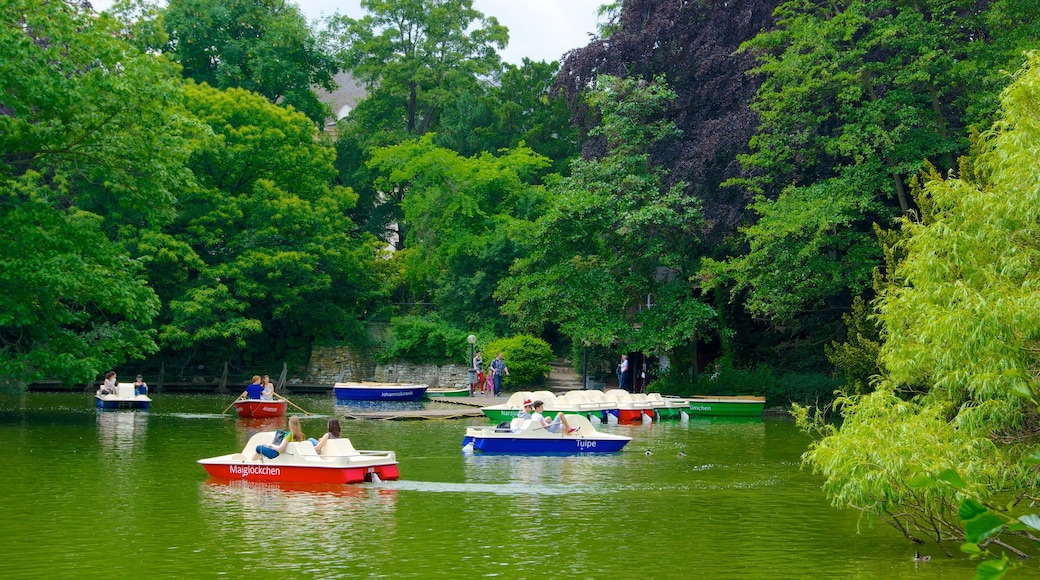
(330,364)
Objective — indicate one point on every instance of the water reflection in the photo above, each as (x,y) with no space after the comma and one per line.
(120,431)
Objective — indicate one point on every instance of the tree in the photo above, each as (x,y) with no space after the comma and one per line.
(262,257)
(614,237)
(461,213)
(856,97)
(416,58)
(415,55)
(264,46)
(960,356)
(93,135)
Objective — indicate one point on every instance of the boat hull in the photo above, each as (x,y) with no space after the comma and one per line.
(528,437)
(346,392)
(300,474)
(727,407)
(101,403)
(461,392)
(260,409)
(524,446)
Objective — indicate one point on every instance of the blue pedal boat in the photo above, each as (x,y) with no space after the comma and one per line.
(371,391)
(524,436)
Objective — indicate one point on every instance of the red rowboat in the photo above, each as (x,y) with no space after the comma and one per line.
(259,409)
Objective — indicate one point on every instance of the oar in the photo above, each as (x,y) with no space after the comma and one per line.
(229,406)
(293,404)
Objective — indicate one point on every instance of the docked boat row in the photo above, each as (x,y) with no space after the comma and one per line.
(616,405)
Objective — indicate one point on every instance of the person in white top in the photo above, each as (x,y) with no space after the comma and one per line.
(558,424)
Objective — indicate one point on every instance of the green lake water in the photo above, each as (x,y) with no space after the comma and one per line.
(107,494)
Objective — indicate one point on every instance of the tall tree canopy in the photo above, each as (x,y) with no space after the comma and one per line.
(615,236)
(855,98)
(416,55)
(92,137)
(262,256)
(464,214)
(961,370)
(264,46)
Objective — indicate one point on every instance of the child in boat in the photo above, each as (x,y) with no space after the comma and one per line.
(332,433)
(525,412)
(254,390)
(275,448)
(557,425)
(268,393)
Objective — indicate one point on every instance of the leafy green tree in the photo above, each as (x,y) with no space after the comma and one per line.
(263,258)
(855,98)
(460,213)
(416,58)
(520,109)
(960,353)
(264,46)
(614,237)
(93,135)
(415,55)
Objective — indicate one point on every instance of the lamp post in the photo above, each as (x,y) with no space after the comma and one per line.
(584,364)
(472,340)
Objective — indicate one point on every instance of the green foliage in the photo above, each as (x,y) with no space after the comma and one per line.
(425,339)
(89,128)
(958,399)
(857,357)
(414,56)
(779,388)
(459,212)
(614,235)
(527,359)
(855,98)
(264,46)
(262,257)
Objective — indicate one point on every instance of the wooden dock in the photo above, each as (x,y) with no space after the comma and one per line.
(468,408)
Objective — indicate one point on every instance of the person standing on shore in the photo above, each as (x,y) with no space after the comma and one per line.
(499,367)
(478,366)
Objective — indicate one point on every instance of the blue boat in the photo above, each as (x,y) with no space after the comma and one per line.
(367,391)
(124,398)
(526,437)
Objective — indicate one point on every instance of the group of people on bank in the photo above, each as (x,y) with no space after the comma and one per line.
(489,383)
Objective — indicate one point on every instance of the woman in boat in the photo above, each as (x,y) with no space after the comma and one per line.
(332,433)
(557,425)
(274,449)
(140,387)
(268,393)
(109,386)
(254,390)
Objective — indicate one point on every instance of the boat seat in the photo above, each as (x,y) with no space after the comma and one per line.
(301,448)
(338,447)
(261,438)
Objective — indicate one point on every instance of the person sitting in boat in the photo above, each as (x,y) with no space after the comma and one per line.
(277,447)
(109,386)
(558,423)
(140,387)
(268,394)
(525,412)
(254,390)
(332,433)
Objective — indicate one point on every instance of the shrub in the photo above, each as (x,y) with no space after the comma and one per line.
(425,339)
(527,359)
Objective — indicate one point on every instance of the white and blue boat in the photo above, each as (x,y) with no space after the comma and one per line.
(527,437)
(125,397)
(371,391)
